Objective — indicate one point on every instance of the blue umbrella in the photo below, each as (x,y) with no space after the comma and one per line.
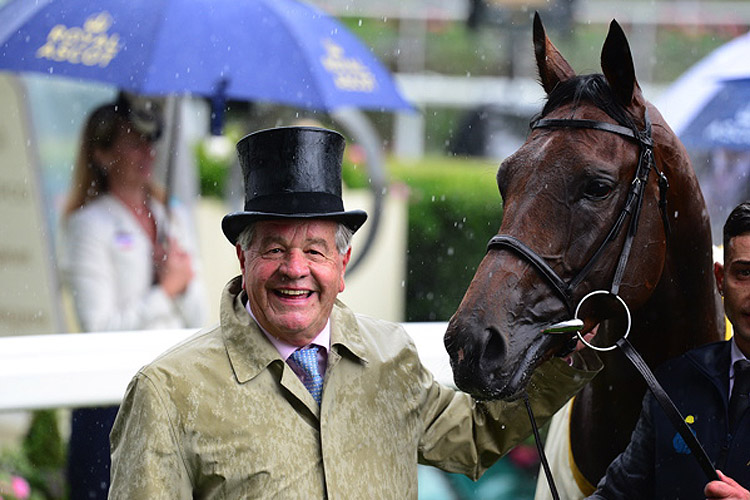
(724,121)
(701,105)
(279,51)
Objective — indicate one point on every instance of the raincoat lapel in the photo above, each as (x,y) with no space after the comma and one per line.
(250,352)
(347,358)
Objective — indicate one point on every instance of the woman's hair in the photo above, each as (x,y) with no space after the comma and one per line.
(99,133)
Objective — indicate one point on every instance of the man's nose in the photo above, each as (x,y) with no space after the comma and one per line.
(294,264)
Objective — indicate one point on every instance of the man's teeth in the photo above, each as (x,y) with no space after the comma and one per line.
(293,293)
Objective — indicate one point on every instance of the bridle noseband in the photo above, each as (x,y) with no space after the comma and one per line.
(632,207)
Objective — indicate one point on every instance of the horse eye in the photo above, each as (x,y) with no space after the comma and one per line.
(597,189)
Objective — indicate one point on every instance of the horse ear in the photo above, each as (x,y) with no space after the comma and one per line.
(553,68)
(617,66)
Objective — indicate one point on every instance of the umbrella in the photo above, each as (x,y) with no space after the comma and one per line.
(707,105)
(724,121)
(279,51)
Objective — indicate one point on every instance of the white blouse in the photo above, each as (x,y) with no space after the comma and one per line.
(108,265)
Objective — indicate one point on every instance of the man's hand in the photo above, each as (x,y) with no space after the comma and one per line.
(574,359)
(726,488)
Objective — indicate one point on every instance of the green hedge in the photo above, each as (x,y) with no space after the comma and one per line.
(454,209)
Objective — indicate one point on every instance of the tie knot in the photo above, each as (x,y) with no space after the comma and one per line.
(307,359)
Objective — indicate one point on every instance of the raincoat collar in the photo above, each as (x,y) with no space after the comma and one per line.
(250,351)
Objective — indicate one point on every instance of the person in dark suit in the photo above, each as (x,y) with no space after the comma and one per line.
(709,385)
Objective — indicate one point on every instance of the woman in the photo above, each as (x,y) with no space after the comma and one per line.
(128,263)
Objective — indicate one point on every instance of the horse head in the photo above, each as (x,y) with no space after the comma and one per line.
(563,193)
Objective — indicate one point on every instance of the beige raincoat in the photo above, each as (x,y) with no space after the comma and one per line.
(222,416)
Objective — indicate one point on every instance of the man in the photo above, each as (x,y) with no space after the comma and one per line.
(293,395)
(710,386)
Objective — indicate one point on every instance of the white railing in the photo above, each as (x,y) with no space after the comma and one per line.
(89,369)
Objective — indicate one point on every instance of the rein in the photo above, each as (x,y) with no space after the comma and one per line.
(565,290)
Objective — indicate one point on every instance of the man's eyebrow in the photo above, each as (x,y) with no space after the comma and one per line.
(317,241)
(277,239)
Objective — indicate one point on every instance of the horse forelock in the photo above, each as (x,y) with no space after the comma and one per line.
(592,89)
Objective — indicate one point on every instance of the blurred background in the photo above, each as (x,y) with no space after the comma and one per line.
(425,175)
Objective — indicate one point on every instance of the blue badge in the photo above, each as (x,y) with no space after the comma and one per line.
(679,444)
(124,240)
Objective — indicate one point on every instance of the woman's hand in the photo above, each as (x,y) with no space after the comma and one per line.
(175,271)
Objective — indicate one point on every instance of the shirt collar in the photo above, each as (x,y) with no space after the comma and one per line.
(323,339)
(735,356)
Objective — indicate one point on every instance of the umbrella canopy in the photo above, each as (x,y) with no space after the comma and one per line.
(259,50)
(724,121)
(705,104)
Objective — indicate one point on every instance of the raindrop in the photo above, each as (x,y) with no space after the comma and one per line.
(450,251)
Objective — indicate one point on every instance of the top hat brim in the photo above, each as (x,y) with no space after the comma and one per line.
(233,224)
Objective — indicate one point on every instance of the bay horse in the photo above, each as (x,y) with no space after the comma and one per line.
(562,194)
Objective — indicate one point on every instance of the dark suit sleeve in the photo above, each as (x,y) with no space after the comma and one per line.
(631,474)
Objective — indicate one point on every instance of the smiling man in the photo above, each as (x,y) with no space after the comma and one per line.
(293,395)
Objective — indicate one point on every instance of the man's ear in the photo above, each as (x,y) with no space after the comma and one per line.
(719,276)
(241,258)
(346,258)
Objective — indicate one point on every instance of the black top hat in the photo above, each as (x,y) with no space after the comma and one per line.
(291,172)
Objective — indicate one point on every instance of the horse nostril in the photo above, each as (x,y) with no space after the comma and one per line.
(494,352)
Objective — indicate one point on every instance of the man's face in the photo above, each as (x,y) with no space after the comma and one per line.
(733,279)
(292,273)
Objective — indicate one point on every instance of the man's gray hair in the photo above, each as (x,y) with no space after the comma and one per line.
(343,237)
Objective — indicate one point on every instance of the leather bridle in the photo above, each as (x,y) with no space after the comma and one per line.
(566,290)
(632,207)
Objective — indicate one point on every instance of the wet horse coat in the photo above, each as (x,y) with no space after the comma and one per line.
(562,191)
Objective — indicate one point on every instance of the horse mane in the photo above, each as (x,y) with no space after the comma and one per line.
(592,88)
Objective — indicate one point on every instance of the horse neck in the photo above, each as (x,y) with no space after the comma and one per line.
(685,306)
